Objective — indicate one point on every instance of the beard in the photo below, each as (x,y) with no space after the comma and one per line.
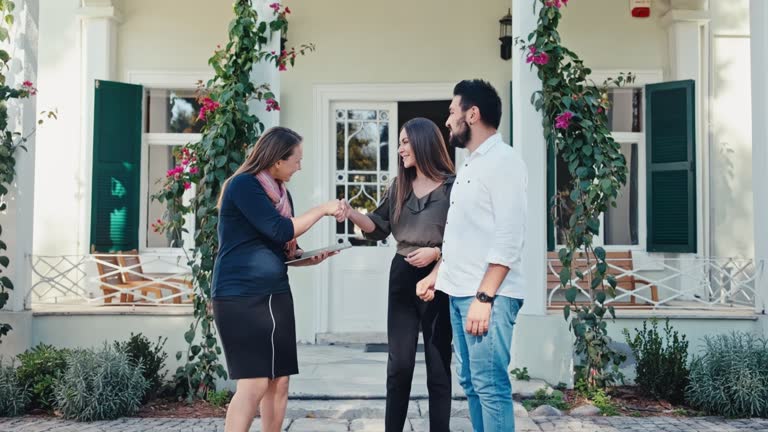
(460,139)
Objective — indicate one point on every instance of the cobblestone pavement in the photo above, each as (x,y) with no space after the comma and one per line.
(367,416)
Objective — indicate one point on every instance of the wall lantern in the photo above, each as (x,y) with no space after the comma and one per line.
(505,35)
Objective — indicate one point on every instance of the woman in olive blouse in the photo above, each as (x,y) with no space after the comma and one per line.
(414,211)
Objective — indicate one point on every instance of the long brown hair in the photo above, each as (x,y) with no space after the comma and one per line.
(277,143)
(428,148)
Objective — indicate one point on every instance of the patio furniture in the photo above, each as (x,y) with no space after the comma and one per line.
(130,262)
(620,266)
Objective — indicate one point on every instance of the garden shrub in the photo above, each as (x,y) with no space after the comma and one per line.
(731,377)
(662,361)
(100,385)
(14,397)
(38,370)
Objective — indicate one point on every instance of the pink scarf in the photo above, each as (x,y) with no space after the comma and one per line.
(278,194)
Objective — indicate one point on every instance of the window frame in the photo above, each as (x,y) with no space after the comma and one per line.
(186,80)
(642,78)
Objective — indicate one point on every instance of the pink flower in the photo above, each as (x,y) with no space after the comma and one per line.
(563,120)
(537,57)
(600,110)
(556,3)
(187,185)
(194,170)
(209,106)
(272,105)
(29,87)
(282,67)
(288,10)
(275,7)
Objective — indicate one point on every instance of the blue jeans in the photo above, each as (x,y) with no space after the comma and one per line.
(482,362)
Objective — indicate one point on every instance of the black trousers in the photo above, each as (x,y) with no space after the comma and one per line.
(406,315)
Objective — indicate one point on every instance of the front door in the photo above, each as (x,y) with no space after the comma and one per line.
(364,137)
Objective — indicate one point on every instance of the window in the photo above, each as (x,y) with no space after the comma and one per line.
(363,169)
(620,226)
(170,121)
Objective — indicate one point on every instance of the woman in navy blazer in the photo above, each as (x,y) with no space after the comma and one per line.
(252,301)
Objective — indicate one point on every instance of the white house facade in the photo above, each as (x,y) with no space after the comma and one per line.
(691,241)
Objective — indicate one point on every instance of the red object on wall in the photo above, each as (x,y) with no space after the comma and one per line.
(640,8)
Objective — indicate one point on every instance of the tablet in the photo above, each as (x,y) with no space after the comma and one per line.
(309,254)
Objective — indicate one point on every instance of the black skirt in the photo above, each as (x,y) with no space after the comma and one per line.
(258,334)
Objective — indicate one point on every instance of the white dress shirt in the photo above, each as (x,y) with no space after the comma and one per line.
(486,221)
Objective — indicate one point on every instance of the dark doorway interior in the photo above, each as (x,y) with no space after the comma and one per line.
(437,111)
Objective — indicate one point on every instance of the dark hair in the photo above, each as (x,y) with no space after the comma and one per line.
(277,143)
(430,154)
(481,94)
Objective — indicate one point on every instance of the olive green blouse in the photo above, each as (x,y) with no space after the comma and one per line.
(421,222)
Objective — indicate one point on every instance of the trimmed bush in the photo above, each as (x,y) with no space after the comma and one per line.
(731,377)
(661,367)
(38,370)
(141,351)
(14,397)
(100,385)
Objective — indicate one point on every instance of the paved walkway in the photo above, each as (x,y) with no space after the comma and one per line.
(367,416)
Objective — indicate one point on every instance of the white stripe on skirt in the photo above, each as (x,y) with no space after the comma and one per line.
(274,325)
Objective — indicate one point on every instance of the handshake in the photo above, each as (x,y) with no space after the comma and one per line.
(339,209)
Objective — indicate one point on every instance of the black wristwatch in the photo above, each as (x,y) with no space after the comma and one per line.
(484,298)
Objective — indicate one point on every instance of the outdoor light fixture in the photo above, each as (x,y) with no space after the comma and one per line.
(505,35)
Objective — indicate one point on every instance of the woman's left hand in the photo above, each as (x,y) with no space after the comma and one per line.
(317,259)
(422,257)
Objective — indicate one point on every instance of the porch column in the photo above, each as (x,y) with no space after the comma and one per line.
(266,72)
(758,17)
(688,40)
(530,140)
(99,26)
(17,221)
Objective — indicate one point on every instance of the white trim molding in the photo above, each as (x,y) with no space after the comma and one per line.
(169,79)
(323,96)
(758,16)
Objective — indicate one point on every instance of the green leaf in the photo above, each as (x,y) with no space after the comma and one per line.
(570,294)
(6,282)
(567,312)
(600,297)
(4,56)
(596,282)
(594,225)
(602,267)
(600,253)
(4,261)
(3,34)
(189,336)
(565,275)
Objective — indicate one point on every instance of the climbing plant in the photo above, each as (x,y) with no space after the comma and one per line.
(575,122)
(11,141)
(230,130)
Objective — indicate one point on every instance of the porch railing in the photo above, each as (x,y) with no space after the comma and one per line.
(670,283)
(102,279)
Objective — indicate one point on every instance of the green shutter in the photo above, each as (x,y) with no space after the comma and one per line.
(116,166)
(671,167)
